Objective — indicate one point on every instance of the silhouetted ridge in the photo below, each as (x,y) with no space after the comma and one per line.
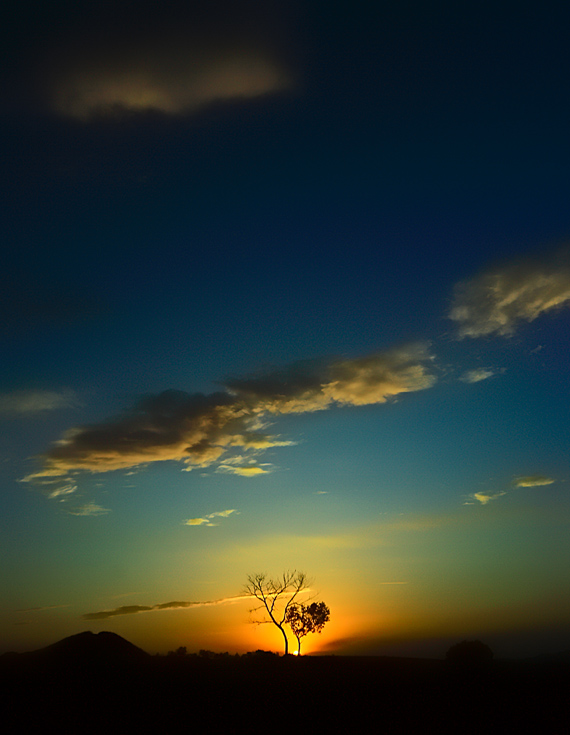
(559,657)
(100,647)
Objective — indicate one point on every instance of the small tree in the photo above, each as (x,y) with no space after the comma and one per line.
(276,596)
(304,619)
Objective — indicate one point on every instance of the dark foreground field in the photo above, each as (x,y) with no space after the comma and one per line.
(94,684)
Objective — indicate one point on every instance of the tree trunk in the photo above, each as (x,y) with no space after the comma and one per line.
(284,637)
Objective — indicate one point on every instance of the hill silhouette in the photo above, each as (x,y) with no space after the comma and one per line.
(104,647)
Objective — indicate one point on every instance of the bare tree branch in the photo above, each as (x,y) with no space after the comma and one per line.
(277,595)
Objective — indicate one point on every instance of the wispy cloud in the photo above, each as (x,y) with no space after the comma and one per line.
(207,520)
(174,605)
(197,430)
(34,401)
(532,481)
(476,375)
(41,609)
(89,509)
(500,299)
(61,490)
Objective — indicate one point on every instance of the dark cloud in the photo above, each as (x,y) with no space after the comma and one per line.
(125,610)
(174,605)
(198,429)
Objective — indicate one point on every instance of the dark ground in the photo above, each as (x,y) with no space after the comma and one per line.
(89,684)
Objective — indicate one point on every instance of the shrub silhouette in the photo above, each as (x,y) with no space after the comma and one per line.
(469,655)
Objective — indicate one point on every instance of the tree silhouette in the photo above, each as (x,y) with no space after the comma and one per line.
(304,619)
(276,596)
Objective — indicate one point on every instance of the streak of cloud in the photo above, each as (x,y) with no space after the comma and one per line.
(89,509)
(242,471)
(197,429)
(175,605)
(25,402)
(532,481)
(499,300)
(40,609)
(62,490)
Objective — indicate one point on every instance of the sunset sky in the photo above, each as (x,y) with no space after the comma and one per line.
(285,285)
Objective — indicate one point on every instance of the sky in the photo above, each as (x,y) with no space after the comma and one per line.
(285,285)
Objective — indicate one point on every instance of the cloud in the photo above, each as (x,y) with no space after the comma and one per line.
(125,610)
(34,401)
(89,509)
(532,481)
(198,522)
(207,520)
(485,498)
(499,300)
(130,85)
(197,430)
(176,61)
(175,605)
(476,375)
(223,513)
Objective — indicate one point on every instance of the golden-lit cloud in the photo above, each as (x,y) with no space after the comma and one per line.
(532,481)
(180,82)
(34,401)
(500,299)
(174,605)
(171,60)
(243,471)
(314,386)
(207,520)
(197,430)
(477,375)
(377,378)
